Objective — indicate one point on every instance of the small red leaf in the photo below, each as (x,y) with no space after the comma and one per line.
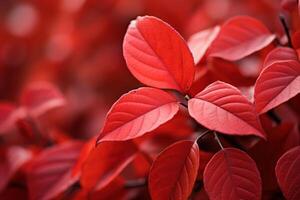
(239,37)
(50,172)
(41,97)
(280,54)
(232,174)
(174,171)
(287,172)
(199,42)
(277,84)
(157,55)
(222,107)
(137,113)
(105,163)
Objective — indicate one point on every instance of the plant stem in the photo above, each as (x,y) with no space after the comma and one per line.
(286,29)
(218,140)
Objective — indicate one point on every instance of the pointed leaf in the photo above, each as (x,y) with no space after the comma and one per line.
(105,163)
(137,113)
(199,42)
(280,54)
(287,173)
(157,55)
(239,37)
(174,171)
(277,84)
(232,174)
(222,107)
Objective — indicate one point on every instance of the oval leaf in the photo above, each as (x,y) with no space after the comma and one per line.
(280,54)
(51,171)
(222,107)
(105,163)
(137,113)
(157,55)
(277,84)
(287,173)
(174,171)
(239,37)
(199,42)
(232,174)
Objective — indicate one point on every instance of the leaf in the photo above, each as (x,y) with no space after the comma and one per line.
(277,84)
(51,171)
(222,107)
(174,171)
(287,173)
(138,112)
(232,174)
(199,42)
(239,37)
(105,163)
(40,97)
(157,55)
(6,117)
(280,54)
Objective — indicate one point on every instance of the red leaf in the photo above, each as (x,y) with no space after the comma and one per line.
(137,113)
(232,174)
(41,97)
(51,172)
(157,55)
(6,117)
(106,162)
(174,171)
(287,172)
(277,84)
(199,42)
(239,37)
(222,107)
(280,54)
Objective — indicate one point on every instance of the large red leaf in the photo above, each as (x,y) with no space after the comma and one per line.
(199,42)
(232,174)
(280,54)
(239,37)
(137,113)
(222,107)
(174,171)
(50,172)
(287,172)
(157,55)
(40,97)
(277,84)
(105,163)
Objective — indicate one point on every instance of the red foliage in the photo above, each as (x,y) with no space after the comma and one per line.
(218,117)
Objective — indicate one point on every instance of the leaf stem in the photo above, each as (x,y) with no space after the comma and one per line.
(218,140)
(286,29)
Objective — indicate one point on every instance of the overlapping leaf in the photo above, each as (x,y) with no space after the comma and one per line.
(239,37)
(232,174)
(137,113)
(174,172)
(277,84)
(222,107)
(287,172)
(157,55)
(280,54)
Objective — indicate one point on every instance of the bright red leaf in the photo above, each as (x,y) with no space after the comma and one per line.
(287,172)
(137,113)
(239,37)
(174,171)
(277,84)
(157,55)
(232,174)
(222,107)
(199,42)
(280,54)
(105,163)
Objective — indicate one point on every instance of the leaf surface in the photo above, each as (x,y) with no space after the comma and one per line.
(280,54)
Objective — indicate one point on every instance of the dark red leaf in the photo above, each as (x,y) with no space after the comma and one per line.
(232,174)
(137,113)
(6,117)
(174,171)
(157,55)
(239,37)
(287,172)
(277,84)
(222,107)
